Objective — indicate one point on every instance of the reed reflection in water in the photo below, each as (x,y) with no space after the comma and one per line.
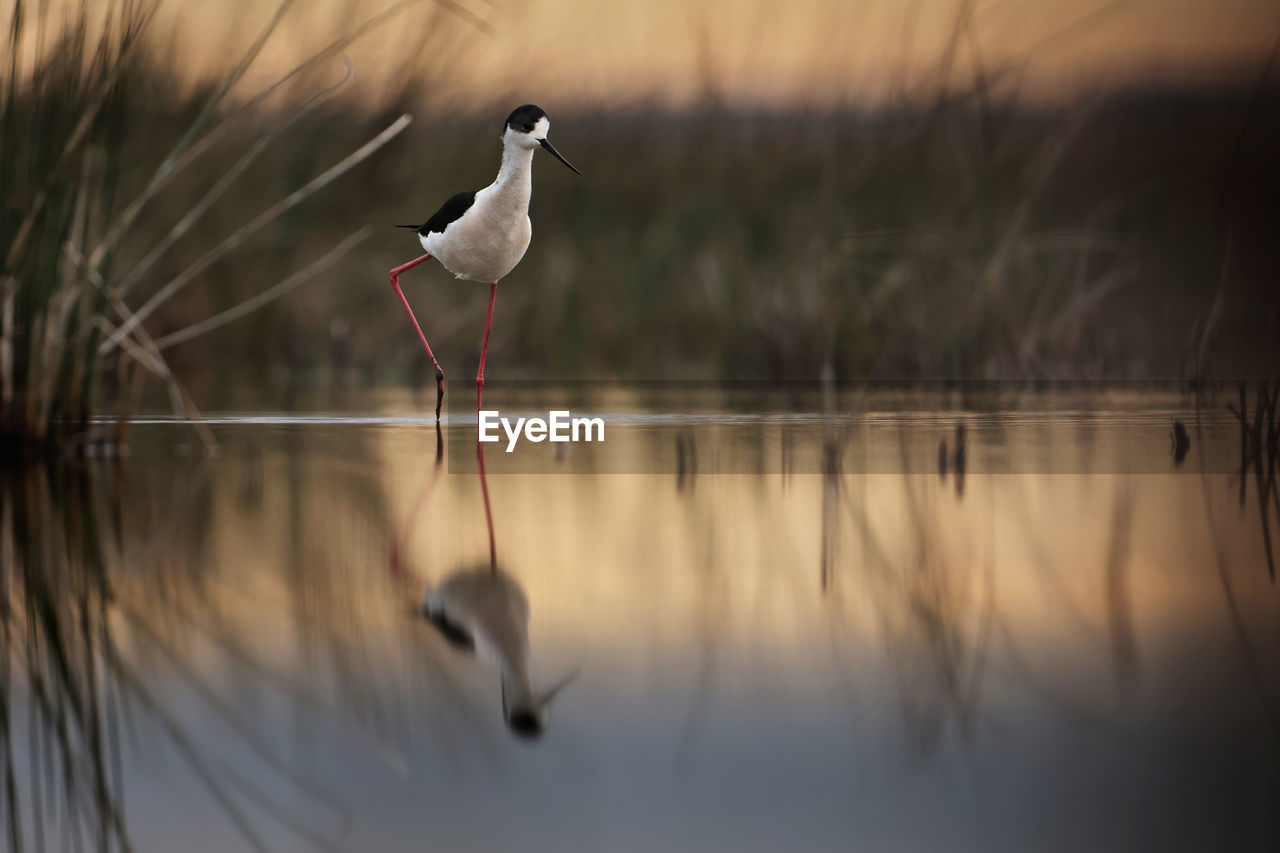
(213,654)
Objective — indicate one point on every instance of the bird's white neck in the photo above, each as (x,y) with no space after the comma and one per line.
(516,686)
(516,173)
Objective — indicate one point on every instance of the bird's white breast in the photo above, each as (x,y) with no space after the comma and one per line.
(492,608)
(486,242)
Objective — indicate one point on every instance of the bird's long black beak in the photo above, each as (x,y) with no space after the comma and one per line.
(556,154)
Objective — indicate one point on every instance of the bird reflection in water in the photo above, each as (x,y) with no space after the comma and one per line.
(482,610)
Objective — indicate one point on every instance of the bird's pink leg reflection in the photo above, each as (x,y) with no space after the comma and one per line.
(397,550)
(488,513)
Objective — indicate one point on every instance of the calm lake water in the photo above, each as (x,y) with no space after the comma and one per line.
(785,628)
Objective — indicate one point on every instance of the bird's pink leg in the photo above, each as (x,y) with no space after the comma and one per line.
(395,283)
(484,347)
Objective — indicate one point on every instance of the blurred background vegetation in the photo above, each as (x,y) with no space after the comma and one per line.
(939,189)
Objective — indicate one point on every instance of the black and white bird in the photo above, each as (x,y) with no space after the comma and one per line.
(482,235)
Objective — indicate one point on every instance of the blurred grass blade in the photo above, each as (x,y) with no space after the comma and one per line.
(267,216)
(162,172)
(201,207)
(73,142)
(267,296)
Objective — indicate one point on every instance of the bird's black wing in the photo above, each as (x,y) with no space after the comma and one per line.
(449,212)
(457,635)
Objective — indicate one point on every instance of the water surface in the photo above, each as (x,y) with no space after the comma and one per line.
(790,628)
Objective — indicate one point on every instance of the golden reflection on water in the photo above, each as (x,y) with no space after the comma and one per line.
(873,617)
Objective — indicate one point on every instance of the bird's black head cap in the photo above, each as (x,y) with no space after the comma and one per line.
(523,119)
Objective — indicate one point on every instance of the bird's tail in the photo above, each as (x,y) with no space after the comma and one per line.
(414,227)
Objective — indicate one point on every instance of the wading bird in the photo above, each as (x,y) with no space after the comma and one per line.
(482,235)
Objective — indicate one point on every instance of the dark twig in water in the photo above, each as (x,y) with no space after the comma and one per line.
(1124,646)
(1247,650)
(1179,442)
(1260,451)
